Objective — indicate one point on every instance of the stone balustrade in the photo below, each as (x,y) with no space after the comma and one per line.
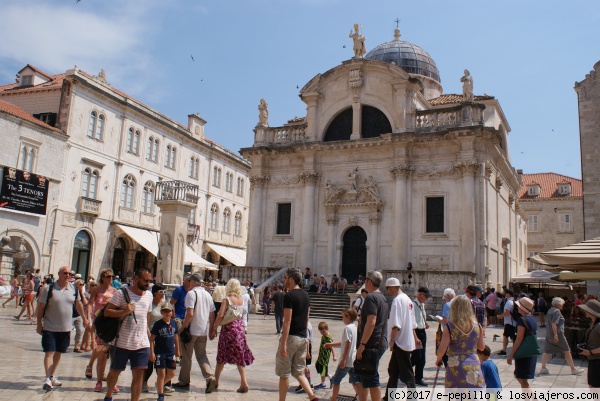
(435,281)
(89,206)
(463,115)
(176,190)
(289,133)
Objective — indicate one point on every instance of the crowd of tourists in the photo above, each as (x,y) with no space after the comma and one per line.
(154,333)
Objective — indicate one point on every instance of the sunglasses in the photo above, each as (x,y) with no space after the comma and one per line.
(160,291)
(67,273)
(108,275)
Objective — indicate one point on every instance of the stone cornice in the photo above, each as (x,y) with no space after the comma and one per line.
(259,181)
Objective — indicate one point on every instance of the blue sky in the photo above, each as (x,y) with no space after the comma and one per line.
(528,54)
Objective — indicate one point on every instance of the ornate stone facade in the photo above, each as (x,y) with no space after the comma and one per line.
(384,146)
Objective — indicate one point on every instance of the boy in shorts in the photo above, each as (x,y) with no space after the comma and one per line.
(164,346)
(348,346)
(322,364)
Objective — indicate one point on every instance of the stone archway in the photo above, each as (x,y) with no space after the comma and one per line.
(354,253)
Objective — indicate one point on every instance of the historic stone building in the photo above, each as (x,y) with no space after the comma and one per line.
(116,154)
(588,98)
(386,170)
(553,204)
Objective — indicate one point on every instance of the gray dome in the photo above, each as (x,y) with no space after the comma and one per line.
(411,58)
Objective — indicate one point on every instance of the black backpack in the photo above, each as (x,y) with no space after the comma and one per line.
(107,328)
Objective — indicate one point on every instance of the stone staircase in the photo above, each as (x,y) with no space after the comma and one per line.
(328,306)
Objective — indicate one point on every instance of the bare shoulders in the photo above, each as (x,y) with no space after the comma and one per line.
(235,300)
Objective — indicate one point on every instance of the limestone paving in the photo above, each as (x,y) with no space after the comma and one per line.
(22,373)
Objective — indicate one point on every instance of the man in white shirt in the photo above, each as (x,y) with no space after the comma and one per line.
(510,331)
(199,317)
(402,325)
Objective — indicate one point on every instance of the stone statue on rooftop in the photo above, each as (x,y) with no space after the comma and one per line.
(263,113)
(467,81)
(359,42)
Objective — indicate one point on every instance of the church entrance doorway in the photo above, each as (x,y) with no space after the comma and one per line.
(354,253)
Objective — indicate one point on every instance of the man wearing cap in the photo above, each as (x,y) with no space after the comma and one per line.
(402,337)
(418,355)
(199,317)
(178,299)
(116,283)
(374,330)
(509,324)
(473,292)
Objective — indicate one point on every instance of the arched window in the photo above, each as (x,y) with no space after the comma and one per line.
(148,197)
(240,186)
(155,151)
(30,160)
(215,179)
(229,182)
(168,156)
(173,156)
(24,154)
(100,127)
(226,220)
(196,167)
(89,183)
(136,142)
(92,126)
(130,140)
(127,191)
(237,227)
(149,147)
(214,212)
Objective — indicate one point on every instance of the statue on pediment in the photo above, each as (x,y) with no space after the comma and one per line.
(353,178)
(359,42)
(332,193)
(467,81)
(371,187)
(263,113)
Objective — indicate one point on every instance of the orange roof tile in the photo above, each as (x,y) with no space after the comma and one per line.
(548,183)
(18,112)
(453,98)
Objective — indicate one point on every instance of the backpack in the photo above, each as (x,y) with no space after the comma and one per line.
(107,328)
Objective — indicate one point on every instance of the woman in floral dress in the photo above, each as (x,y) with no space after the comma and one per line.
(462,337)
(233,348)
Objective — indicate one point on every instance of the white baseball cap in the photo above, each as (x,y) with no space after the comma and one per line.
(392,282)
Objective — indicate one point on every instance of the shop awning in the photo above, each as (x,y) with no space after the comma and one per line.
(147,239)
(581,256)
(536,276)
(192,258)
(236,256)
(577,276)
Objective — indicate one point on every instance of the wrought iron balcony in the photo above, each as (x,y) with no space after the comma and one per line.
(90,207)
(176,190)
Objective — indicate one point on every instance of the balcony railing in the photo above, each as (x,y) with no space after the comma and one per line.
(90,207)
(462,115)
(176,190)
(289,133)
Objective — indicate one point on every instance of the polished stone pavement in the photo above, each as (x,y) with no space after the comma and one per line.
(21,373)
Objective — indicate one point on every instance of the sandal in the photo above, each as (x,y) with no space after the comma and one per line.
(88,372)
(78,350)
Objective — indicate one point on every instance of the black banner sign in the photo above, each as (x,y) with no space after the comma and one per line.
(23,192)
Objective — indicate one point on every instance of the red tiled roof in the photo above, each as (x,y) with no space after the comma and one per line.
(18,112)
(55,82)
(37,70)
(548,183)
(453,98)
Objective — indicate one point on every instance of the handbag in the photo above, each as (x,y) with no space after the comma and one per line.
(529,346)
(186,335)
(366,366)
(232,313)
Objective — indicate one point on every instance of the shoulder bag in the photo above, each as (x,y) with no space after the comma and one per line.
(529,346)
(232,313)
(186,335)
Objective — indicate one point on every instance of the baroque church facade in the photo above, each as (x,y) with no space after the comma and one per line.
(386,170)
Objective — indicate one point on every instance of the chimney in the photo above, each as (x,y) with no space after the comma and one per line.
(196,125)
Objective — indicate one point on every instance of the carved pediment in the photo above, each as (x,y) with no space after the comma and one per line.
(353,195)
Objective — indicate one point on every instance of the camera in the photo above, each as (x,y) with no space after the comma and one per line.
(580,347)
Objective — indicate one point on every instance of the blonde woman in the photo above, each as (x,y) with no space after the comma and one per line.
(462,337)
(99,297)
(233,348)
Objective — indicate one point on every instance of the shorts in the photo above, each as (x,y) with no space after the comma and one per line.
(29,297)
(593,375)
(295,362)
(510,331)
(373,380)
(138,359)
(341,373)
(56,341)
(490,312)
(165,361)
(321,369)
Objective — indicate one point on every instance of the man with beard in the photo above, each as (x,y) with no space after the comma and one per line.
(132,343)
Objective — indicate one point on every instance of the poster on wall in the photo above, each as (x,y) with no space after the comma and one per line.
(22,191)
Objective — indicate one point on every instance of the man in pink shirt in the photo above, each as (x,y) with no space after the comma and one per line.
(490,305)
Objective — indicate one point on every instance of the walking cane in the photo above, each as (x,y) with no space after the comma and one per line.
(437,373)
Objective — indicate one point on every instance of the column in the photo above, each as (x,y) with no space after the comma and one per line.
(332,221)
(373,252)
(308,219)
(254,251)
(400,241)
(356,118)
(469,242)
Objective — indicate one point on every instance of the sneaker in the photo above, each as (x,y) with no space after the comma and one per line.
(47,387)
(98,387)
(181,386)
(168,389)
(502,353)
(320,386)
(145,387)
(544,371)
(161,397)
(577,371)
(55,381)
(421,383)
(115,389)
(108,399)
(299,389)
